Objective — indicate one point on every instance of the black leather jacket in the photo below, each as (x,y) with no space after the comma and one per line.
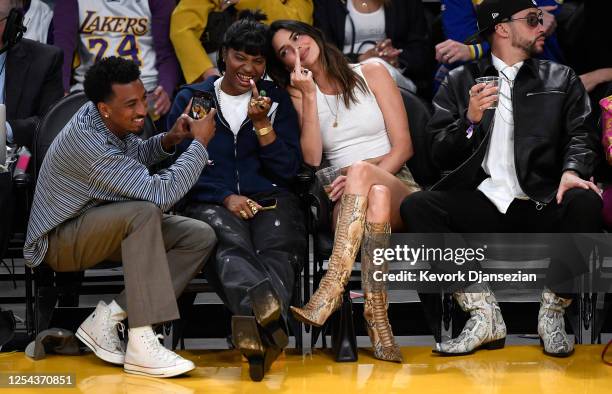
(553,130)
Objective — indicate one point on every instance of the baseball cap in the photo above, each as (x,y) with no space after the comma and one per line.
(491,12)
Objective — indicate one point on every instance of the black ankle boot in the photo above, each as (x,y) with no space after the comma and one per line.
(254,345)
(267,308)
(247,339)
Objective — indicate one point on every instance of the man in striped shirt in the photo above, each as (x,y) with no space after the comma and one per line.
(95,200)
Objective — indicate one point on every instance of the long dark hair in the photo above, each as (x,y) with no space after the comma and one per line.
(332,60)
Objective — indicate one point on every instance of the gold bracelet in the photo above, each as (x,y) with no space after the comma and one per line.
(263,131)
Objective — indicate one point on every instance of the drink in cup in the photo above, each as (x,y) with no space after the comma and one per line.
(490,81)
(326,176)
(151,107)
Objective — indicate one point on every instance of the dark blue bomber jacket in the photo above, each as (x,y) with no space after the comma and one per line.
(239,164)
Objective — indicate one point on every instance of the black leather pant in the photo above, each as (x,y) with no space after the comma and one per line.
(270,245)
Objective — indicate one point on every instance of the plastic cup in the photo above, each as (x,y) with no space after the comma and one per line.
(151,107)
(489,81)
(326,176)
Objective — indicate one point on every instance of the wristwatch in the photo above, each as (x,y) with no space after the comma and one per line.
(263,131)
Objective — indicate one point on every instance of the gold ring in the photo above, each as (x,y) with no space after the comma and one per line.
(252,206)
(244,214)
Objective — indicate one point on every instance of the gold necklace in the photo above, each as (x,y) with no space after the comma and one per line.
(364,4)
(335,124)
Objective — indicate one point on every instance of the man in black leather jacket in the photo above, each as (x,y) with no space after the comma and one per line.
(523,167)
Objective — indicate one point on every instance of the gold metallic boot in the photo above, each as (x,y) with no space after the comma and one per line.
(349,232)
(375,294)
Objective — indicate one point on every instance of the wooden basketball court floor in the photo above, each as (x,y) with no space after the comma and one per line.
(519,369)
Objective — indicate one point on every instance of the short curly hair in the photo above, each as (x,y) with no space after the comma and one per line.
(100,77)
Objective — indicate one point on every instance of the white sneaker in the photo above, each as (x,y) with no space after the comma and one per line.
(146,356)
(99,333)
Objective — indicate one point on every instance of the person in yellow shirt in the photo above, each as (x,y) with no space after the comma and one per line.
(190,18)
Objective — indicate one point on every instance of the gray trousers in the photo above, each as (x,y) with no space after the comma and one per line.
(160,254)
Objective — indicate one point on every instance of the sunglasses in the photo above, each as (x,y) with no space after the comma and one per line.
(532,19)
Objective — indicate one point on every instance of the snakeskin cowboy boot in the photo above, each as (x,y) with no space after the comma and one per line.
(375,306)
(551,325)
(485,329)
(349,232)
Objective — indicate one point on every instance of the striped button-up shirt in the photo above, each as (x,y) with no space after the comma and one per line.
(87,165)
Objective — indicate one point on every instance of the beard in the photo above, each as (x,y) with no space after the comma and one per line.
(530,47)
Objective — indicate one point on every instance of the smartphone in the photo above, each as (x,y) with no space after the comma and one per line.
(201,104)
(267,204)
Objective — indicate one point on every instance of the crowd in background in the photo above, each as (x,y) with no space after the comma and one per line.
(324,84)
(178,43)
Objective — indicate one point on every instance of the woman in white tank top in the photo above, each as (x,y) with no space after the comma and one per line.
(353,117)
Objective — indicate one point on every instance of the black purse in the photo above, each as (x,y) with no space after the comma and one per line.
(344,340)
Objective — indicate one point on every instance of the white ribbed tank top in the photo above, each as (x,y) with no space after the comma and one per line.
(360,133)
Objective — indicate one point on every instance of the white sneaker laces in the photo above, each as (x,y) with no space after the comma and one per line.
(159,351)
(111,335)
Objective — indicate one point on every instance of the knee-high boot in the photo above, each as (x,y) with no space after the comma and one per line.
(349,232)
(375,293)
